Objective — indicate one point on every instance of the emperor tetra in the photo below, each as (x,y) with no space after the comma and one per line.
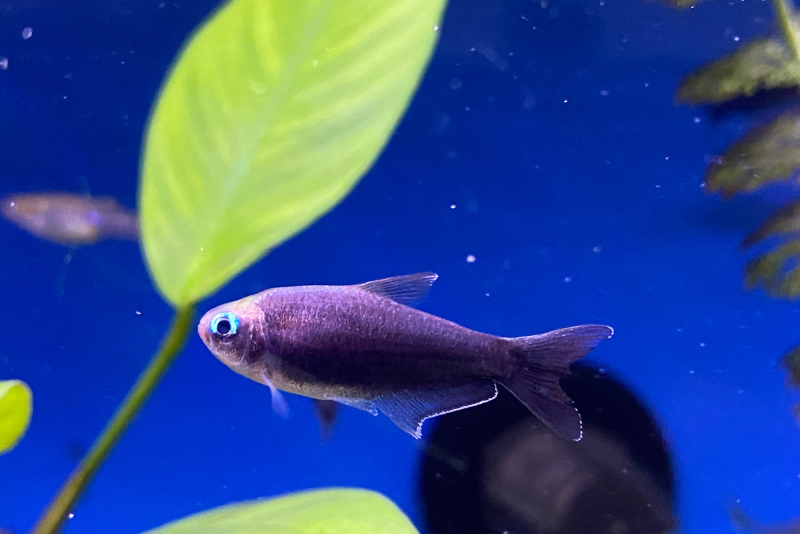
(364,346)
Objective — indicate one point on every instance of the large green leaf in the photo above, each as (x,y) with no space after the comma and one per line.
(270,115)
(16,403)
(333,511)
(767,154)
(762,64)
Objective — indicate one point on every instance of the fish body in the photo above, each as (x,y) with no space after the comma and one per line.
(70,219)
(364,346)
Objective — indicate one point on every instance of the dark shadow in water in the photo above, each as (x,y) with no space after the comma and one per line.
(495,469)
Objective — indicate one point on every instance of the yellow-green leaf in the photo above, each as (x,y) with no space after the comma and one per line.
(269,117)
(16,404)
(767,154)
(331,511)
(762,64)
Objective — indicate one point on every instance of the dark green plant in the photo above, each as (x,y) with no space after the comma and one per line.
(270,115)
(768,154)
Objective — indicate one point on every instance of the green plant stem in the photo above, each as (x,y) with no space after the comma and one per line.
(52,520)
(785,15)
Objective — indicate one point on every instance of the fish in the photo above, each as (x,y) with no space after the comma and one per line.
(70,219)
(367,347)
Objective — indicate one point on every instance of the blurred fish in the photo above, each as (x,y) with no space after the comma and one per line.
(363,346)
(326,415)
(70,219)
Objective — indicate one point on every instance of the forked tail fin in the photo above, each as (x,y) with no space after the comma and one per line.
(543,359)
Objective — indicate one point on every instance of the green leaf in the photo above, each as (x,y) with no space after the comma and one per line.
(778,271)
(332,511)
(762,64)
(791,362)
(784,221)
(767,154)
(269,117)
(16,404)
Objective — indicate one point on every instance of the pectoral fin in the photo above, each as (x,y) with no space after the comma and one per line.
(409,408)
(279,405)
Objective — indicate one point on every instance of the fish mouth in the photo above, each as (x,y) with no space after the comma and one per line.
(202,331)
(8,209)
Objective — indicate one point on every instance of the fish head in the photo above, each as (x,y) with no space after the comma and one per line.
(236,335)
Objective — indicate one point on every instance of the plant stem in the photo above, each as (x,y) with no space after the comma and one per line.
(785,15)
(52,520)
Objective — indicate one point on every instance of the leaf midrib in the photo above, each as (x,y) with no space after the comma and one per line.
(278,97)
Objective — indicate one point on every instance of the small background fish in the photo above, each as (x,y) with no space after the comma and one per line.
(70,219)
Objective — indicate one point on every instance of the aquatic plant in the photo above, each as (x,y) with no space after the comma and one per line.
(742,522)
(768,154)
(340,511)
(16,404)
(269,116)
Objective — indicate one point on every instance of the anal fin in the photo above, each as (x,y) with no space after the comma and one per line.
(361,404)
(409,408)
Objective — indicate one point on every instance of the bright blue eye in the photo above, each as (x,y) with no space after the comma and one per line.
(224,325)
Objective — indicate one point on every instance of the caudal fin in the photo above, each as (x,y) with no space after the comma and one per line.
(543,359)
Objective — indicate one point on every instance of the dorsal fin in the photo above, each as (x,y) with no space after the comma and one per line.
(407,290)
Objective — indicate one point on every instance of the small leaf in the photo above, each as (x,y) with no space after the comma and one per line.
(784,221)
(269,117)
(16,404)
(777,271)
(767,154)
(332,511)
(762,64)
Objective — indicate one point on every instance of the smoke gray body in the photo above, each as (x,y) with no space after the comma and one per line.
(363,346)
(346,342)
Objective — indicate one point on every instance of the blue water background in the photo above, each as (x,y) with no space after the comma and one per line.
(577,187)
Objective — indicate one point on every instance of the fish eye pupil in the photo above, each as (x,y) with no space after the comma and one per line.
(224,326)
